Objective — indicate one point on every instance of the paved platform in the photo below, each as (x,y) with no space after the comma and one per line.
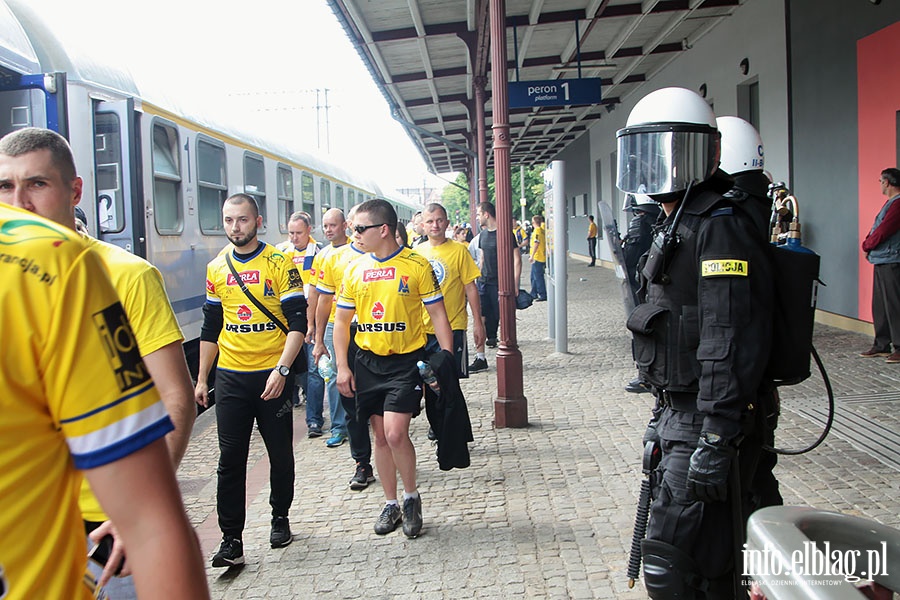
(545,511)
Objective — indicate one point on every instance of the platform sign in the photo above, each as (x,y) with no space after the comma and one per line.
(554,92)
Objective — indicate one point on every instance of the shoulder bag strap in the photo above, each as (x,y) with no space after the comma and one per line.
(251,297)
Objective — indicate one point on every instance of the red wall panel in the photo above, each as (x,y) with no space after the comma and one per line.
(878,90)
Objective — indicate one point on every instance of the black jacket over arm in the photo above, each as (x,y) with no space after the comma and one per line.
(447,414)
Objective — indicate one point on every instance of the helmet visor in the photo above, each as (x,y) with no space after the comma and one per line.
(664,158)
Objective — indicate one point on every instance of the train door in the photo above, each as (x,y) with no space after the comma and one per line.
(120,211)
(32,101)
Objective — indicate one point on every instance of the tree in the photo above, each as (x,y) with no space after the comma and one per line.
(456,200)
(534,190)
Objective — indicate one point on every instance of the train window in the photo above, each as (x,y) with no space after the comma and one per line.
(339,197)
(308,195)
(351,200)
(324,194)
(285,196)
(211,185)
(108,161)
(255,183)
(167,205)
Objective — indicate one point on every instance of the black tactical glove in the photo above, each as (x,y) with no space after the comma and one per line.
(710,464)
(651,434)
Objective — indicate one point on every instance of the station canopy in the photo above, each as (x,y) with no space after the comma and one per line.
(426,56)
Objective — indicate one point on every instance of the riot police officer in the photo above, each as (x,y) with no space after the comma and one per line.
(702,338)
(743,157)
(644,212)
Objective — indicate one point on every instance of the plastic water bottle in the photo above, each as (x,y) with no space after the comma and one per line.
(326,367)
(428,376)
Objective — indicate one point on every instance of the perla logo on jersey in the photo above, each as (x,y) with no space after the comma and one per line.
(439,271)
(384,274)
(244,313)
(381,327)
(246,277)
(250,327)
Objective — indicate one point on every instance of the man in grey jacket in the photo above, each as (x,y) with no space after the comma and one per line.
(882,248)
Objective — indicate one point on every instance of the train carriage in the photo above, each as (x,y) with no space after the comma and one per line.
(155,176)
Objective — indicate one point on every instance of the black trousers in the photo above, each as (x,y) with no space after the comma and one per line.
(886,306)
(357,429)
(490,309)
(238,405)
(592,249)
(705,530)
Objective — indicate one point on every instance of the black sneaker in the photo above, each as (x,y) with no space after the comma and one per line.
(362,478)
(479,364)
(388,520)
(230,553)
(412,516)
(314,431)
(281,532)
(492,343)
(432,436)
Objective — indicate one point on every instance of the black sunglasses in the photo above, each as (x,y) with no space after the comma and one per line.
(362,228)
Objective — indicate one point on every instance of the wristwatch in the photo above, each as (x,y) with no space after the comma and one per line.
(283,370)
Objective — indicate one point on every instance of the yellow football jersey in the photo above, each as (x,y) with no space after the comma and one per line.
(319,257)
(387,296)
(303,260)
(74,394)
(143,295)
(454,268)
(331,271)
(249,340)
(538,244)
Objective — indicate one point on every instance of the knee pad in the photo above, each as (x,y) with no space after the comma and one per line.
(669,573)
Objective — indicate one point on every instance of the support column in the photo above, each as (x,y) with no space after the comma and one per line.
(472,181)
(510,406)
(480,149)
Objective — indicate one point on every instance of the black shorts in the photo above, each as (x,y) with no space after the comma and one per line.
(388,383)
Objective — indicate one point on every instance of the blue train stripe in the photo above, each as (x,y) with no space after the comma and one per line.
(186,304)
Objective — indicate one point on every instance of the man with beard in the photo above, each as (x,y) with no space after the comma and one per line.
(245,287)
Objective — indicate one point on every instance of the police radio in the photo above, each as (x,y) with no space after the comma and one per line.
(665,242)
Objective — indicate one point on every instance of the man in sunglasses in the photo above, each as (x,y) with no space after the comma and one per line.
(386,289)
(330,268)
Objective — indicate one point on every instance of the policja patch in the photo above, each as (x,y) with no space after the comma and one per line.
(723,266)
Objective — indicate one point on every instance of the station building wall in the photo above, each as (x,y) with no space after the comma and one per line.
(755,32)
(827,77)
(845,90)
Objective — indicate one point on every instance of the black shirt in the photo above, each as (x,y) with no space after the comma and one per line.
(487,241)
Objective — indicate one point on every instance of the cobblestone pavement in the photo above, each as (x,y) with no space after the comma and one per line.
(545,511)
